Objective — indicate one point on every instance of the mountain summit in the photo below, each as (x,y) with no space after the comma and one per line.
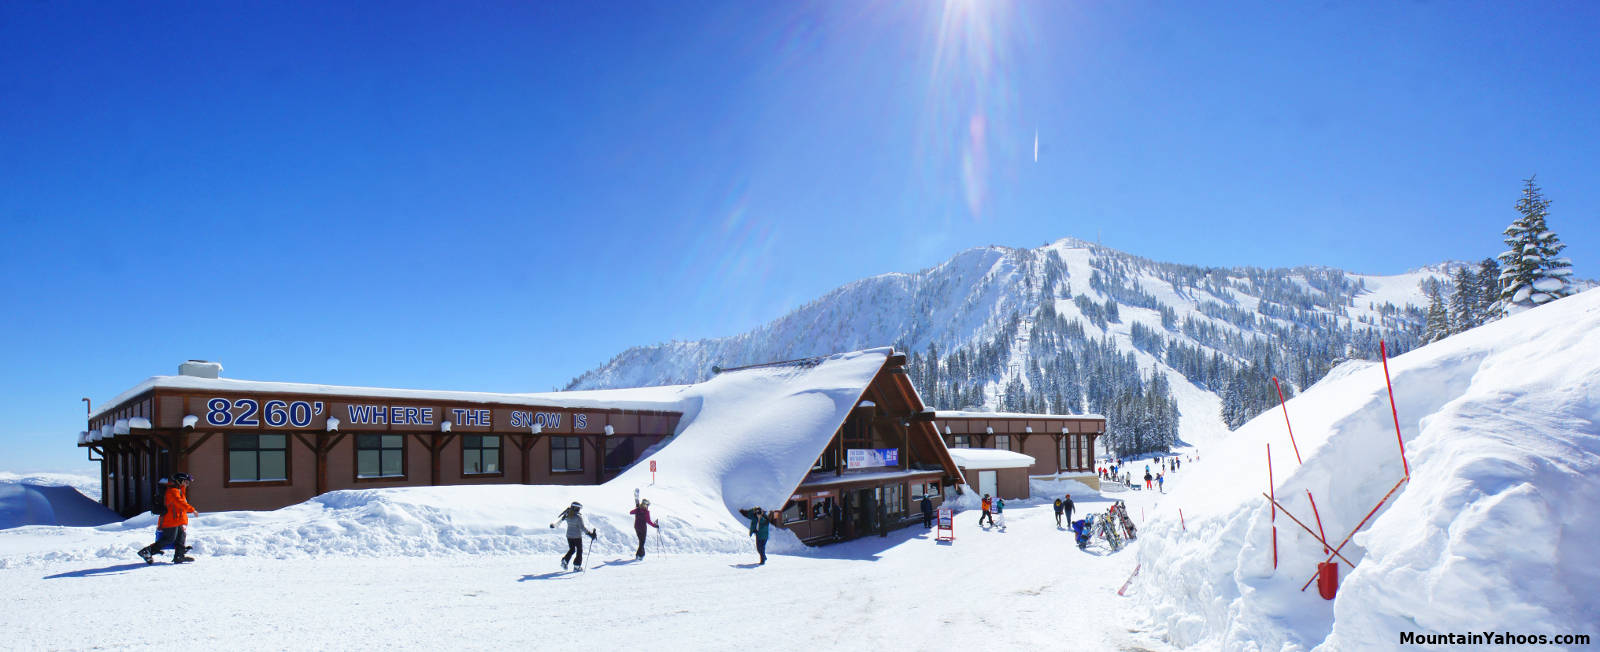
(1073,326)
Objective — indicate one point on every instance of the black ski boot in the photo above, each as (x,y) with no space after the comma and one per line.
(144,553)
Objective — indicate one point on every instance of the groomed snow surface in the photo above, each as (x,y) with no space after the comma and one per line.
(1496,529)
(464,567)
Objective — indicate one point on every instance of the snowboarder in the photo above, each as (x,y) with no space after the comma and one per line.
(575,531)
(759,530)
(1058,513)
(1066,506)
(173,521)
(642,523)
(1161,482)
(1147,479)
(927,513)
(988,504)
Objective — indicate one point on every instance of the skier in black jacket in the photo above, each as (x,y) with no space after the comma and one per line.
(1066,506)
(927,513)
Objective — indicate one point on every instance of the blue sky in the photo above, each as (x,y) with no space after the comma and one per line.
(502,196)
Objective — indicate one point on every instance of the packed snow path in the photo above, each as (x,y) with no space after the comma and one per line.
(1028,587)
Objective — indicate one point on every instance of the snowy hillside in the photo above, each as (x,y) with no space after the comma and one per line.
(1495,529)
(1075,327)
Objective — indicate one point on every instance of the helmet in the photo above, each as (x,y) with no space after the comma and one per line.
(577,505)
(182,477)
(645,502)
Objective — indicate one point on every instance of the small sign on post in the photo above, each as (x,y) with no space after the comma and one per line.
(652,471)
(947,523)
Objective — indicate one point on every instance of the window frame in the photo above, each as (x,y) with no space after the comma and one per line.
(227,461)
(355,458)
(961,441)
(577,444)
(500,454)
(995,445)
(616,442)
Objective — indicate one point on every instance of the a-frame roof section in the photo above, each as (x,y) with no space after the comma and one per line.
(749,436)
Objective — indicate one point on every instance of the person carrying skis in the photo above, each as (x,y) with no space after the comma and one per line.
(927,512)
(1066,506)
(759,529)
(642,523)
(173,522)
(1058,513)
(988,504)
(999,512)
(1161,482)
(575,531)
(1147,479)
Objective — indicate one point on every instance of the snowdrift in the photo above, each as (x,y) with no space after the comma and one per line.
(1494,531)
(28,503)
(747,438)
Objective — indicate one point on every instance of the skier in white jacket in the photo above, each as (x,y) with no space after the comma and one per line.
(575,531)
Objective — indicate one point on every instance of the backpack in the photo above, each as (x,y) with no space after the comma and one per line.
(160,508)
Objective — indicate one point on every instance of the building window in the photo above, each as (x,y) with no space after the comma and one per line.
(258,458)
(1002,442)
(480,454)
(894,497)
(960,441)
(619,452)
(566,454)
(822,508)
(795,511)
(1063,452)
(380,456)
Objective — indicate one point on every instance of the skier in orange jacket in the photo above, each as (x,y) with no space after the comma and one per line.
(173,519)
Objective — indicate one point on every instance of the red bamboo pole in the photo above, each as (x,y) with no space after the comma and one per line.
(1383,352)
(1347,537)
(1181,521)
(1273,496)
(1319,522)
(1286,421)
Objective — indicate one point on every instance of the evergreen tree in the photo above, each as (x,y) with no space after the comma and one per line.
(1532,274)
(1464,302)
(1437,326)
(1488,279)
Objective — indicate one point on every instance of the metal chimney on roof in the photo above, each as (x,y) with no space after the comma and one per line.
(200,369)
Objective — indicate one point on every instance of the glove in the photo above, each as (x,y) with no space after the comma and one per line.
(552,526)
(592,535)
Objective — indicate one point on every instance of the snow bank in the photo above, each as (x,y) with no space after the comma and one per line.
(28,503)
(1494,531)
(88,485)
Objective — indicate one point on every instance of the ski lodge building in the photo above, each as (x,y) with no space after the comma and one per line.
(855,465)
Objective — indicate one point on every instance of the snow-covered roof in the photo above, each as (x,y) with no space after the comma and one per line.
(816,481)
(958,414)
(989,458)
(643,398)
(751,434)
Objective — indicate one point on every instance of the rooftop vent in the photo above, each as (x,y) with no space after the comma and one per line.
(200,369)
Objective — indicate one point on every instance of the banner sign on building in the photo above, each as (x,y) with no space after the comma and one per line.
(861,458)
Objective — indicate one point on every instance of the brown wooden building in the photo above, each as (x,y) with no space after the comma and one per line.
(256,445)
(873,473)
(1059,444)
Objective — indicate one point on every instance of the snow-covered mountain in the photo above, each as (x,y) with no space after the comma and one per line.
(1073,327)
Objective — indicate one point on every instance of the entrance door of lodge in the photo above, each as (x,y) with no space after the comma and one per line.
(861,512)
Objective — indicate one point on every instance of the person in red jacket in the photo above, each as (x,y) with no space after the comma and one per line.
(641,519)
(172,522)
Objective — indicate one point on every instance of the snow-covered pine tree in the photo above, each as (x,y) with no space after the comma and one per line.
(1464,302)
(1437,326)
(1488,279)
(1532,274)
